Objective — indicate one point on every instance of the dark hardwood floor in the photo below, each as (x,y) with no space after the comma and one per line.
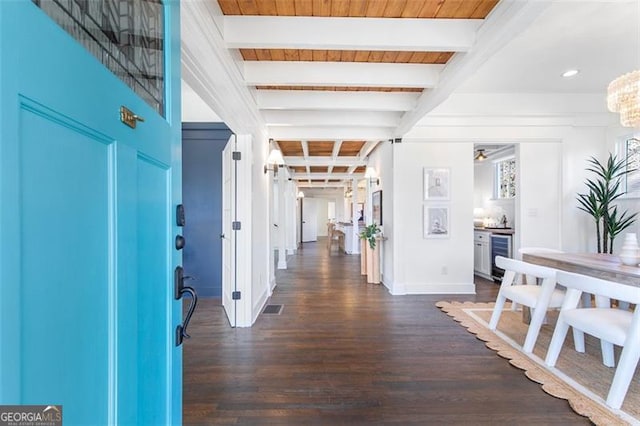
(346,352)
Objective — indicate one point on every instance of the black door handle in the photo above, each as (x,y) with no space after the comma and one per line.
(182,329)
(222,236)
(179,291)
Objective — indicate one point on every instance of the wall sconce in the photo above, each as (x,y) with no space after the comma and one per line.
(300,194)
(371,174)
(274,160)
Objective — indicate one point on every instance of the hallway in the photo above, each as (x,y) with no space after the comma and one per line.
(346,352)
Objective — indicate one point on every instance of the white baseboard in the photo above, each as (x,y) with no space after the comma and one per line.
(259,306)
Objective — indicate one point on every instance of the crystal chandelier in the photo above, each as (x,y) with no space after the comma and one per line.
(623,96)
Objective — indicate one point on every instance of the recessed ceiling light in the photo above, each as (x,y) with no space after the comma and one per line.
(570,73)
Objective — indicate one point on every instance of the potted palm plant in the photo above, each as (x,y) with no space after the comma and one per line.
(604,189)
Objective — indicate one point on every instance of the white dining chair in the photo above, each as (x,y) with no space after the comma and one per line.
(534,250)
(613,326)
(537,297)
(586,297)
(529,279)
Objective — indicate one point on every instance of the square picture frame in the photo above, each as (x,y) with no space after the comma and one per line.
(437,184)
(436,221)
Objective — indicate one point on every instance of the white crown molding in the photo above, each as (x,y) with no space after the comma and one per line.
(487,134)
(550,120)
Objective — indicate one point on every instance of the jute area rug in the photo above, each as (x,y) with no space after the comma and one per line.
(581,379)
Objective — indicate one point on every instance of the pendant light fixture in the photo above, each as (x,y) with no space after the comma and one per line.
(480,155)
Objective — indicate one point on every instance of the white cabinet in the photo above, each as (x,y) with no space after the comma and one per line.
(482,253)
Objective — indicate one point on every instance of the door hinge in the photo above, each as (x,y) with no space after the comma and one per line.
(236,225)
(236,295)
(236,155)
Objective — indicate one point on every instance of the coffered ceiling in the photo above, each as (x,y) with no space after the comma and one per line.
(385,52)
(331,79)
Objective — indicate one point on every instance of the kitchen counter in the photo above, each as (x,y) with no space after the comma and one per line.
(503,231)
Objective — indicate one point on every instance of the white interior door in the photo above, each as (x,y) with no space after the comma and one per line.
(309,220)
(228,243)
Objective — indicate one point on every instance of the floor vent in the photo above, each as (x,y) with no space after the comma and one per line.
(272,309)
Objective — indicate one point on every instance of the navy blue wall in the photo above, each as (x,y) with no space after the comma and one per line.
(202,145)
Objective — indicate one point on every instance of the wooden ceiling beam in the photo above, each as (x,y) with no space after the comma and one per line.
(340,74)
(325,161)
(367,148)
(331,118)
(330,132)
(341,101)
(325,33)
(336,149)
(316,176)
(306,184)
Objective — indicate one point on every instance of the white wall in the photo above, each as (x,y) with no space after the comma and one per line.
(432,265)
(274,210)
(261,253)
(332,210)
(298,223)
(322,207)
(538,195)
(291,216)
(579,122)
(578,229)
(340,212)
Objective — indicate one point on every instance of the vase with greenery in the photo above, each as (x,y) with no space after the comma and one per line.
(604,189)
(369,233)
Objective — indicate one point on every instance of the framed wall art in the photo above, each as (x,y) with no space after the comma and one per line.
(436,221)
(436,184)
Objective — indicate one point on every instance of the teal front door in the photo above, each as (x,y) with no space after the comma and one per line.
(87,223)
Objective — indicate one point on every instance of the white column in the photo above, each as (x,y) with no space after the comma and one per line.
(355,216)
(290,209)
(282,220)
